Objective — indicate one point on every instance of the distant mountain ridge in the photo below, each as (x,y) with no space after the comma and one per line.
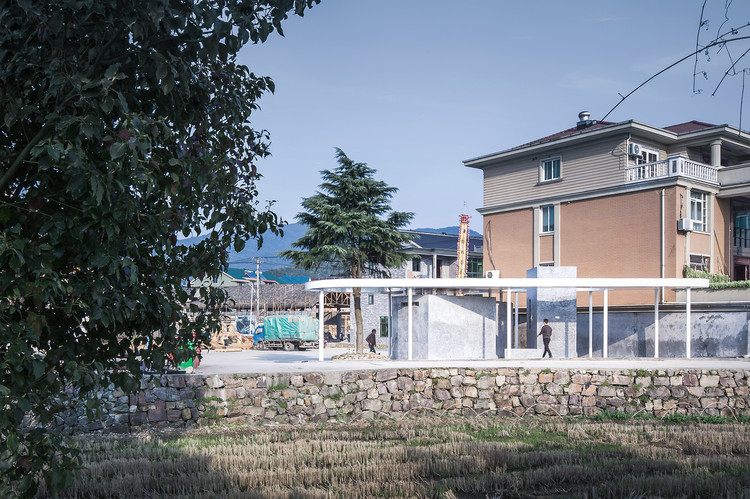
(273,245)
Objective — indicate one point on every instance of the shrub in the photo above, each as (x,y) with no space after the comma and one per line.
(716,281)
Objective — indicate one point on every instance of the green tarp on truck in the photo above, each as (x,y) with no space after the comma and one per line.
(283,327)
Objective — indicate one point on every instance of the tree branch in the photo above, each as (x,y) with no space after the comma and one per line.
(712,44)
(8,176)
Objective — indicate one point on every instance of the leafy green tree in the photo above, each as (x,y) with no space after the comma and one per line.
(351,224)
(122,125)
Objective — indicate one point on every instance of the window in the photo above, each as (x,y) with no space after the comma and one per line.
(550,169)
(742,231)
(698,210)
(474,267)
(383,326)
(416,264)
(700,262)
(548,219)
(370,299)
(647,156)
(742,221)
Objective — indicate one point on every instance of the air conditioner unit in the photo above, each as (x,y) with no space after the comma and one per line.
(634,150)
(492,274)
(684,224)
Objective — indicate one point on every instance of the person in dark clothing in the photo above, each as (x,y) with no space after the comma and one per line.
(371,341)
(546,334)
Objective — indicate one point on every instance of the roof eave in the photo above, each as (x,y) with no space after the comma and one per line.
(622,127)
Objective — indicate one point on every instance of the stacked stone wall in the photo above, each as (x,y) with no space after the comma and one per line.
(184,401)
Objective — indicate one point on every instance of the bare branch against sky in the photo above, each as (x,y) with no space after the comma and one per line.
(417,87)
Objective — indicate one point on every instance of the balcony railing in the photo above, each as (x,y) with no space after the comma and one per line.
(741,237)
(677,166)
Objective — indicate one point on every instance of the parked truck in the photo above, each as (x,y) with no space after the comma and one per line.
(287,332)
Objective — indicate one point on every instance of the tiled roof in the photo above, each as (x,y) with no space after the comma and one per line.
(434,241)
(277,296)
(690,126)
(566,133)
(687,127)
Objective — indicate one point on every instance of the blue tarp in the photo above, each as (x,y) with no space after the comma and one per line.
(290,326)
(245,324)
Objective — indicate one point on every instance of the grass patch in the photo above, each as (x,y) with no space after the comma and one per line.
(426,457)
(212,413)
(669,418)
(278,387)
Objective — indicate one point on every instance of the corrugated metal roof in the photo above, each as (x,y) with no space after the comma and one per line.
(288,279)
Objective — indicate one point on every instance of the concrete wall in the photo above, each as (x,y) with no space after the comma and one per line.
(729,295)
(446,327)
(556,304)
(183,401)
(631,334)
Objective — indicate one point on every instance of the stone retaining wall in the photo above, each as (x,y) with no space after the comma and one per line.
(183,401)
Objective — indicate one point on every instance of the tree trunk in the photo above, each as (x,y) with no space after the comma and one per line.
(359,333)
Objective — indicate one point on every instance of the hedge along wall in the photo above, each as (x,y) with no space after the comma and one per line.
(183,401)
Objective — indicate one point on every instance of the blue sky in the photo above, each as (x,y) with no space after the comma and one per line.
(414,87)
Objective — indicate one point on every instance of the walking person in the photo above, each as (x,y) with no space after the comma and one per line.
(546,334)
(371,341)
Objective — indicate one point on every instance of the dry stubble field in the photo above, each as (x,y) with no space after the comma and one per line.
(426,457)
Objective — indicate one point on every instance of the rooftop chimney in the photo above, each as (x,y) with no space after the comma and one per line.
(583,120)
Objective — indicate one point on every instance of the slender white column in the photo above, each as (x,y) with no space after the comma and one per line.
(591,324)
(656,323)
(515,326)
(409,314)
(321,324)
(605,321)
(716,153)
(390,324)
(687,321)
(507,321)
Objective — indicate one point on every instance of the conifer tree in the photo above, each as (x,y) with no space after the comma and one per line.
(350,223)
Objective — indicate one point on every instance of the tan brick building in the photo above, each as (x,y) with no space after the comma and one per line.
(620,200)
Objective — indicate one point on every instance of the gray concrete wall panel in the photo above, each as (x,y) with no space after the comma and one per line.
(631,334)
(446,328)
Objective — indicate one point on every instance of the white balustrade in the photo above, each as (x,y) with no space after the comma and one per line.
(672,167)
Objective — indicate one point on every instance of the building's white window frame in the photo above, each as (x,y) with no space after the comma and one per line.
(698,210)
(474,267)
(555,172)
(416,264)
(547,219)
(699,262)
(648,155)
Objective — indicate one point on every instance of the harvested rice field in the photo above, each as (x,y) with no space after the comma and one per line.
(451,457)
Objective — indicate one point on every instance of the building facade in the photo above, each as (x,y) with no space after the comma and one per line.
(620,200)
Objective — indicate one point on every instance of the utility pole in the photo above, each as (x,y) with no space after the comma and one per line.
(257,288)
(252,305)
